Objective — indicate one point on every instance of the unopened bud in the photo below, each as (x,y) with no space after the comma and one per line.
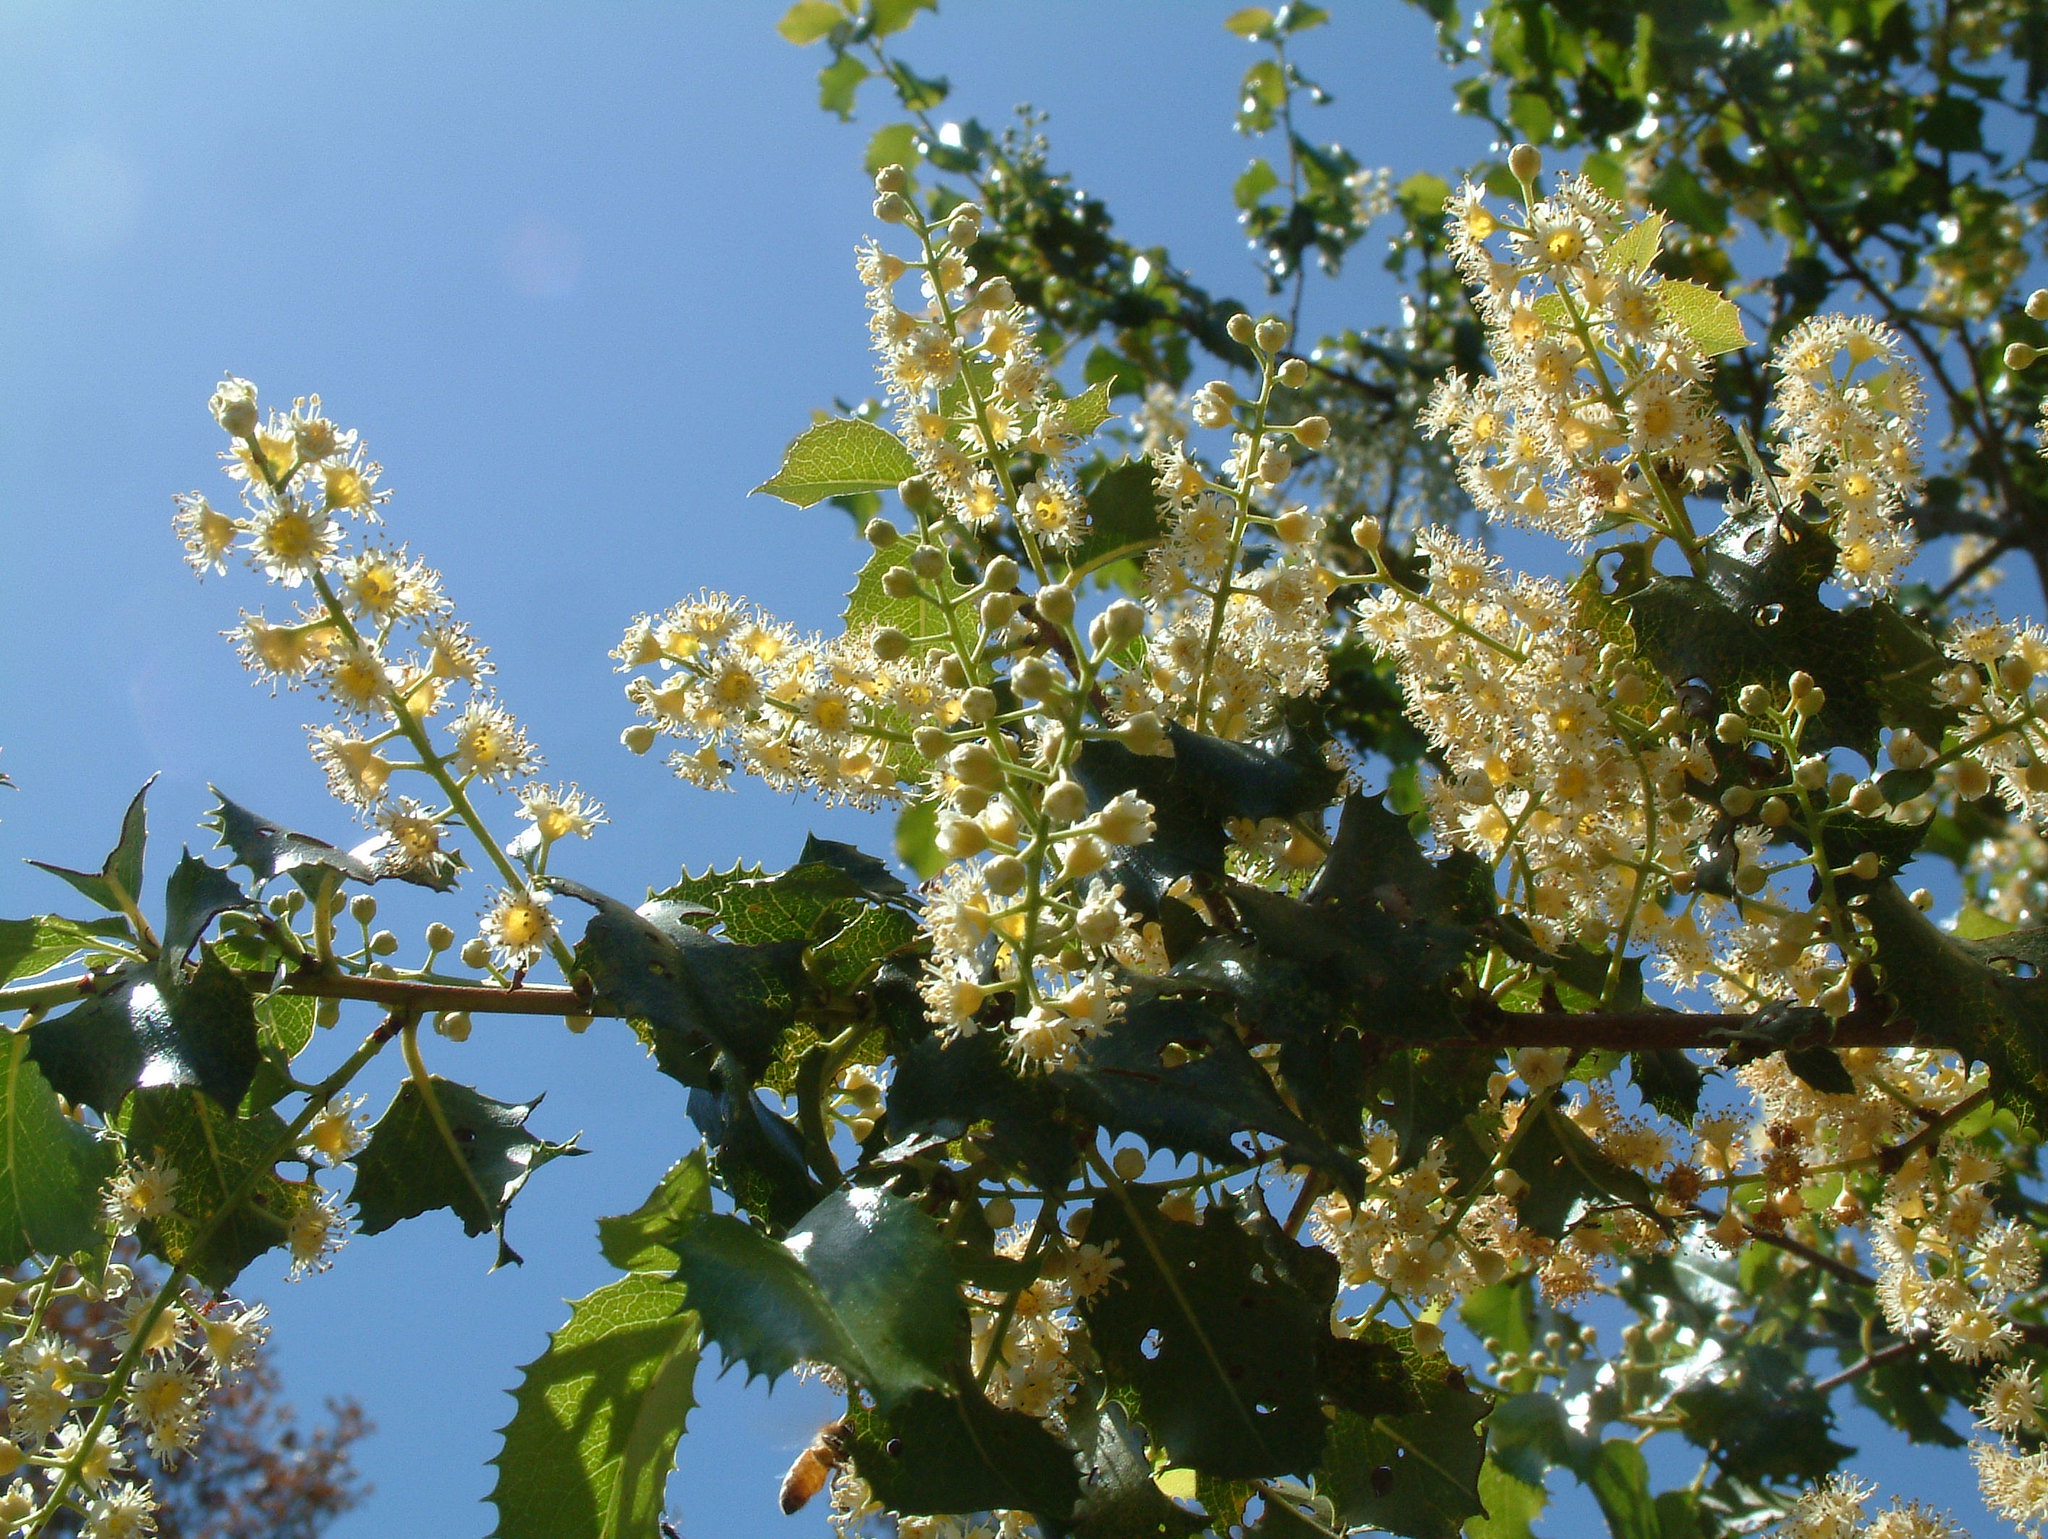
(439,937)
(978,704)
(1525,162)
(1001,575)
(1066,801)
(362,908)
(2037,305)
(890,644)
(892,178)
(1272,333)
(1293,373)
(998,609)
(1754,699)
(453,1024)
(880,533)
(1730,728)
(1124,621)
(893,208)
(638,738)
(1294,525)
(1776,812)
(1033,679)
(476,952)
(383,944)
(1865,798)
(931,742)
(963,225)
(1738,801)
(234,406)
(899,582)
(928,562)
(1241,327)
(1004,876)
(1367,534)
(1129,1163)
(2020,355)
(1312,432)
(1143,733)
(1055,604)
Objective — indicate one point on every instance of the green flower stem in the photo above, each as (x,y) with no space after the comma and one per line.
(436,766)
(1247,482)
(1041,1231)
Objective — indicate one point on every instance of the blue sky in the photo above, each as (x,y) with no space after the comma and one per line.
(578,273)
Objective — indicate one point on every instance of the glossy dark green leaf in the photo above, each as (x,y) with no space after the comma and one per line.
(757,1155)
(147,1030)
(1123,516)
(864,1283)
(473,1159)
(32,946)
(1565,1169)
(1219,1349)
(117,885)
(1620,1481)
(269,849)
(946,1453)
(52,1168)
(1119,1498)
(194,897)
(1416,1475)
(591,1443)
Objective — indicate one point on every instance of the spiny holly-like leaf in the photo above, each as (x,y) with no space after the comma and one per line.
(688,988)
(591,1444)
(1416,1474)
(119,877)
(940,1453)
(640,1241)
(51,1167)
(194,897)
(1219,1347)
(808,20)
(218,1156)
(473,1158)
(1123,516)
(148,1030)
(837,458)
(32,946)
(757,1155)
(1710,321)
(1173,1072)
(269,849)
(702,892)
(1758,615)
(1565,1168)
(1986,999)
(1637,246)
(1119,1498)
(870,873)
(1082,414)
(864,1283)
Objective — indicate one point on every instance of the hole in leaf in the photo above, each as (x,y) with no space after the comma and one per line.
(1769,614)
(1149,1347)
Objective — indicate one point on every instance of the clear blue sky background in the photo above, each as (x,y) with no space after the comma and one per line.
(578,273)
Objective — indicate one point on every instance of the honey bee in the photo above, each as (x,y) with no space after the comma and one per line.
(814,1466)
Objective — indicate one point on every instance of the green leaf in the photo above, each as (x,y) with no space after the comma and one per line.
(1119,1498)
(916,617)
(1564,1168)
(117,885)
(808,20)
(863,1283)
(1511,1505)
(838,82)
(1249,22)
(269,849)
(1082,414)
(1710,320)
(591,1443)
(212,1233)
(940,1453)
(1635,248)
(691,990)
(475,1167)
(839,457)
(887,17)
(917,835)
(1123,517)
(1219,1347)
(1620,1481)
(32,946)
(894,144)
(51,1167)
(639,1241)
(1253,183)
(194,897)
(1986,999)
(151,1030)
(1417,1474)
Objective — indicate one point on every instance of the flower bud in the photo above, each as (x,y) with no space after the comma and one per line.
(893,208)
(998,609)
(1312,432)
(1811,772)
(1271,334)
(2037,305)
(383,944)
(1241,327)
(1776,812)
(439,937)
(476,952)
(960,837)
(1367,534)
(2020,355)
(975,764)
(928,562)
(1083,857)
(1127,819)
(1866,867)
(1738,801)
(1275,464)
(890,644)
(1033,679)
(1066,801)
(1293,373)
(963,225)
(916,494)
(1973,780)
(453,1024)
(1866,798)
(899,582)
(327,1012)
(1754,699)
(362,908)
(1004,876)
(978,704)
(1128,1163)
(1730,728)
(1124,621)
(1000,1212)
(880,533)
(953,672)
(1294,525)
(1055,604)
(931,742)
(234,406)
(892,178)
(1001,575)
(1143,733)
(1525,162)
